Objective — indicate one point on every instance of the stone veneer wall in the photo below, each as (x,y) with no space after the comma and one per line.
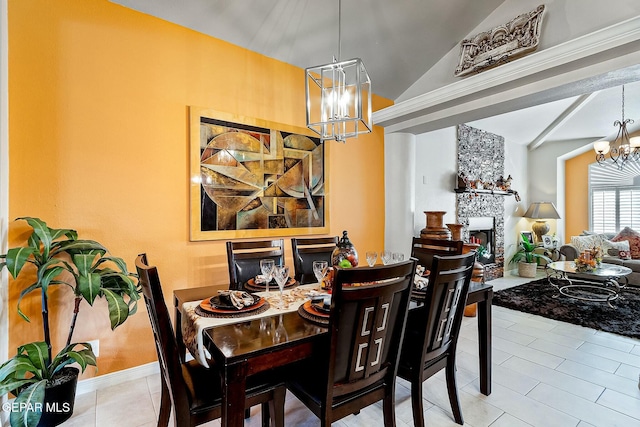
(481,156)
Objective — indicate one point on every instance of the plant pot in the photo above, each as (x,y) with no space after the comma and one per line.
(59,397)
(527,269)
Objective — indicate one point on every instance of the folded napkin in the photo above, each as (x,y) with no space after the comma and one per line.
(239,299)
(260,279)
(419,281)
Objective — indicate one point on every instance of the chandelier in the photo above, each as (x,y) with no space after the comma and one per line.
(622,148)
(338,96)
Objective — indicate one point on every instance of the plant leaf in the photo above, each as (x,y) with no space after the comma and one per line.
(89,286)
(12,384)
(42,231)
(118,309)
(69,355)
(31,399)
(16,366)
(83,262)
(37,352)
(79,246)
(17,258)
(57,233)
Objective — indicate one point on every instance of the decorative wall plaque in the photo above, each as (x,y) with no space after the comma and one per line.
(500,44)
(253,178)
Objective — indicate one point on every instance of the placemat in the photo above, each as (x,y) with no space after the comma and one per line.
(258,308)
(306,311)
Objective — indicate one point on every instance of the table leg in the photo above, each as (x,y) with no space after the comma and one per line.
(182,349)
(233,395)
(484,341)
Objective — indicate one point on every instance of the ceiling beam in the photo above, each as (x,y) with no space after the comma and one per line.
(576,106)
(605,58)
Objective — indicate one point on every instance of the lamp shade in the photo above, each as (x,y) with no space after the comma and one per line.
(542,210)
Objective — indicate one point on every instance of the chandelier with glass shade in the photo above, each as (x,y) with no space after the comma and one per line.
(338,97)
(622,148)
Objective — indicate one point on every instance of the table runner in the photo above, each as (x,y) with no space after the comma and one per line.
(193,324)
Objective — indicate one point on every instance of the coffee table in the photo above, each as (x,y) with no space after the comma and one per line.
(599,285)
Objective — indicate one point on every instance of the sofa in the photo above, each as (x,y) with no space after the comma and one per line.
(612,254)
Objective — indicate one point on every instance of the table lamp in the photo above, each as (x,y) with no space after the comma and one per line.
(541,211)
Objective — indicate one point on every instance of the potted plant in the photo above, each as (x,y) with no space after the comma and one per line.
(34,375)
(526,258)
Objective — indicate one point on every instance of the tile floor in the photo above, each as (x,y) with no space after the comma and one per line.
(546,373)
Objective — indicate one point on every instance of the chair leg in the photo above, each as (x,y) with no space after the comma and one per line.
(165,405)
(452,388)
(276,408)
(388,410)
(416,402)
(265,412)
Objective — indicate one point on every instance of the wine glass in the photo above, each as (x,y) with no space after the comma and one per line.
(372,256)
(398,257)
(386,257)
(280,333)
(320,270)
(266,267)
(282,276)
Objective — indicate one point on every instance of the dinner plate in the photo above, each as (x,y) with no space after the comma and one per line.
(313,309)
(225,304)
(207,306)
(321,307)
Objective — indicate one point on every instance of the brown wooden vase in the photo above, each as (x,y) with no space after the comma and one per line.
(435,228)
(456,231)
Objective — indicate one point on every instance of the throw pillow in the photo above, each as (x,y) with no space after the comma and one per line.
(616,248)
(583,243)
(633,237)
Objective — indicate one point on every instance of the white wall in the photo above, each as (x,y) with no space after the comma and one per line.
(515,164)
(563,20)
(436,167)
(399,188)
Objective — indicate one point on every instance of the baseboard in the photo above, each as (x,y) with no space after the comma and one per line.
(118,377)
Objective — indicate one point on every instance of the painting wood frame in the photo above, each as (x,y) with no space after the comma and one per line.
(251,178)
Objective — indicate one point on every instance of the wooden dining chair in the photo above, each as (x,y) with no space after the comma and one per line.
(244,259)
(431,334)
(305,251)
(358,365)
(424,249)
(195,392)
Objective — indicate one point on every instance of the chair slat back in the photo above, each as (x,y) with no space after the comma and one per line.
(163,333)
(305,251)
(366,324)
(244,259)
(445,300)
(424,249)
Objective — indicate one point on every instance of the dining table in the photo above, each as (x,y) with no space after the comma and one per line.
(244,346)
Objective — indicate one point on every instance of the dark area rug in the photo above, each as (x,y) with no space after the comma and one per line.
(537,297)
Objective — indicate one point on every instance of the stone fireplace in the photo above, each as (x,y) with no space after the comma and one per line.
(481,157)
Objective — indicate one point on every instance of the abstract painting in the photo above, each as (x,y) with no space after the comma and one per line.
(253,178)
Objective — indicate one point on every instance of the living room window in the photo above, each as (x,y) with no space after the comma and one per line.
(615,199)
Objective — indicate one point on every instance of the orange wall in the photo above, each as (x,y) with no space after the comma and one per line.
(577,194)
(98,119)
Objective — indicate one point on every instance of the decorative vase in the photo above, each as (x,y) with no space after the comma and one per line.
(345,254)
(456,231)
(435,228)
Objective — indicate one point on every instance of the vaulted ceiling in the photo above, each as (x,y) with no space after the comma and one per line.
(398,41)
